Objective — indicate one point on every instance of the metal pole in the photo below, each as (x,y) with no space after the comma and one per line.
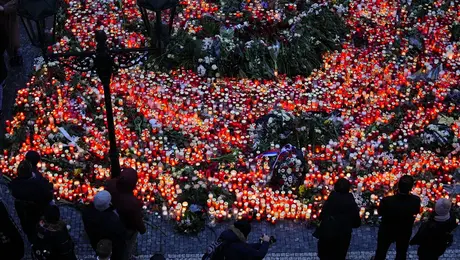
(104,68)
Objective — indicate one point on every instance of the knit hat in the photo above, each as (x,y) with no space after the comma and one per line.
(442,209)
(243,226)
(102,200)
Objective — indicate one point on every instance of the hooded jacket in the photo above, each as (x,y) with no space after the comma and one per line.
(105,225)
(127,205)
(236,247)
(32,196)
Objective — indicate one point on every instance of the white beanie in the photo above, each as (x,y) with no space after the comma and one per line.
(442,209)
(102,200)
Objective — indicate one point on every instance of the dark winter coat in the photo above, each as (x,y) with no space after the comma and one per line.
(339,216)
(105,225)
(127,205)
(434,237)
(398,213)
(32,196)
(54,241)
(236,247)
(11,243)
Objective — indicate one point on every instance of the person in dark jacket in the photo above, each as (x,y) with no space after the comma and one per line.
(53,239)
(128,206)
(32,196)
(338,217)
(11,243)
(102,222)
(34,158)
(235,246)
(435,235)
(398,215)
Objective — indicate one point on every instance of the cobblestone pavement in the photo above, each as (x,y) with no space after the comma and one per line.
(294,240)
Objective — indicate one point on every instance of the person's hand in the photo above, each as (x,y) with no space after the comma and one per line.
(266,238)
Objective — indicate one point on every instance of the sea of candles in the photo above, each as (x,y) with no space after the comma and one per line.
(214,116)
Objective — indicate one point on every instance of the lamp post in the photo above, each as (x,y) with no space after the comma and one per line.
(102,60)
(33,15)
(157,6)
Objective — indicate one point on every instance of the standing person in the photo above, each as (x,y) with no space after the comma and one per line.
(102,223)
(9,22)
(398,215)
(34,158)
(32,196)
(435,235)
(338,217)
(128,206)
(235,246)
(11,243)
(53,239)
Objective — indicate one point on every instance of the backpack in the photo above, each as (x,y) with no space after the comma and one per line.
(215,250)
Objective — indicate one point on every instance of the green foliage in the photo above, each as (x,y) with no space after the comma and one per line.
(177,138)
(211,27)
(455,31)
(307,195)
(191,223)
(246,48)
(302,130)
(230,5)
(227,158)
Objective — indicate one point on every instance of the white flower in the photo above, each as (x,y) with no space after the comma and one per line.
(201,70)
(214,67)
(207,44)
(270,120)
(187,186)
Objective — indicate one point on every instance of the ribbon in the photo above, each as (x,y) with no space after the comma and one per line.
(287,148)
(72,139)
